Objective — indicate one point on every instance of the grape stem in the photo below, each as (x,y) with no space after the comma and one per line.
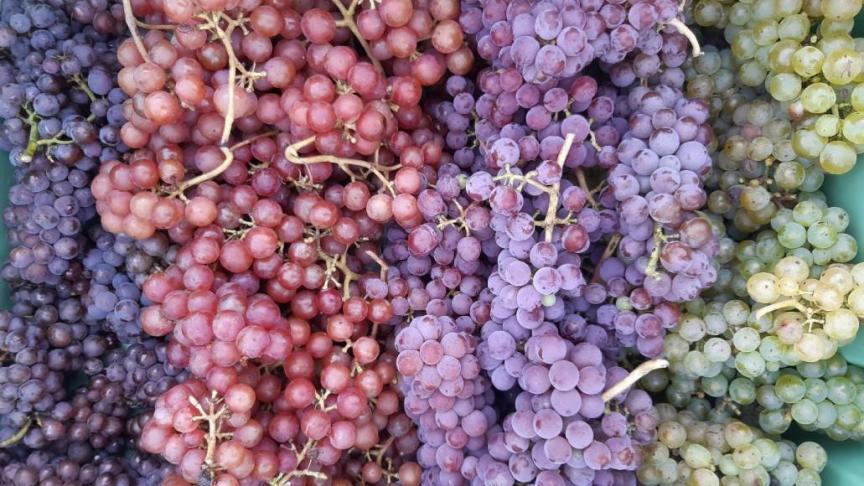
(381,263)
(634,376)
(686,32)
(17,436)
(212,24)
(293,155)
(555,193)
(348,22)
(583,183)
(132,25)
(214,417)
(783,304)
(659,238)
(82,85)
(458,222)
(284,479)
(333,264)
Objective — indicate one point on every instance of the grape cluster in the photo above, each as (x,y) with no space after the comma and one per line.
(695,448)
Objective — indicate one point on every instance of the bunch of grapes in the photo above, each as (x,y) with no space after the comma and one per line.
(695,448)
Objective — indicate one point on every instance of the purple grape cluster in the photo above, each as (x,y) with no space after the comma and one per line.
(446,395)
(551,40)
(666,248)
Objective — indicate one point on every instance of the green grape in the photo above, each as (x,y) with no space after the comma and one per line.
(783,150)
(792,235)
(724,80)
(708,13)
(841,325)
(807,213)
(736,312)
(770,452)
(785,473)
(767,398)
(717,350)
(818,98)
(692,328)
(709,62)
(774,421)
(742,391)
(750,364)
(715,386)
(763,9)
(727,466)
(696,363)
(784,86)
(770,250)
(672,434)
(747,456)
(837,10)
(817,389)
(811,455)
(821,235)
(703,477)
(813,181)
(853,127)
(848,416)
(845,250)
(789,176)
(771,349)
(804,412)
(746,339)
(781,218)
(675,347)
(739,14)
(841,390)
(828,27)
(857,98)
(738,434)
(744,46)
(752,74)
(700,86)
(762,287)
(821,257)
(808,143)
(696,456)
(827,125)
(835,42)
(790,388)
(807,61)
(754,198)
(760,148)
(838,157)
(808,477)
(842,66)
(794,27)
(804,254)
(827,415)
(837,218)
(765,32)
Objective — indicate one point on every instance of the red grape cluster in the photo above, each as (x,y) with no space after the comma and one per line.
(235,86)
(272,142)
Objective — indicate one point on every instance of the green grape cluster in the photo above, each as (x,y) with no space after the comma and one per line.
(826,396)
(756,172)
(692,449)
(713,343)
(817,75)
(811,230)
(815,315)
